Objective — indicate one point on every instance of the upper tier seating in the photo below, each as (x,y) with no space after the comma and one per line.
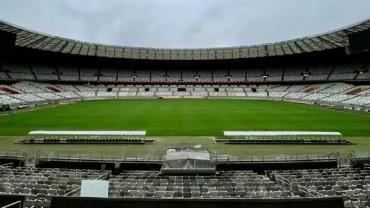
(333,72)
(88,74)
(318,73)
(293,74)
(220,76)
(125,75)
(45,72)
(173,76)
(344,72)
(108,75)
(237,75)
(364,76)
(19,71)
(3,75)
(146,76)
(68,73)
(254,75)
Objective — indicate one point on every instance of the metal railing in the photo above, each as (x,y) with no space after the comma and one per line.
(276,158)
(309,192)
(4,154)
(92,157)
(13,205)
(217,158)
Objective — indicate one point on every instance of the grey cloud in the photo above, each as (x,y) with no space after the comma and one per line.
(183,24)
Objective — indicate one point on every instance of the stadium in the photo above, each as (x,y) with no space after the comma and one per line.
(282,124)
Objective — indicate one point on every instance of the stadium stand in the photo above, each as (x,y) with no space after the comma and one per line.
(19,71)
(68,73)
(47,73)
(40,185)
(336,94)
(318,70)
(350,184)
(231,184)
(6,99)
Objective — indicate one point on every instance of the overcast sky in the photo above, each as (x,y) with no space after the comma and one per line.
(183,23)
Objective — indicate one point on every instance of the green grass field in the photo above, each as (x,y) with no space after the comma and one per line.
(186,117)
(169,120)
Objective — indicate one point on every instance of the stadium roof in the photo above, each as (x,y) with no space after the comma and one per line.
(26,38)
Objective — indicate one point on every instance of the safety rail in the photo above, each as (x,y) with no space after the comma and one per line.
(276,158)
(216,158)
(309,192)
(13,205)
(91,158)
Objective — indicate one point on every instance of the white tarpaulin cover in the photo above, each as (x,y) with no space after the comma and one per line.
(94,188)
(187,154)
(281,133)
(187,160)
(97,133)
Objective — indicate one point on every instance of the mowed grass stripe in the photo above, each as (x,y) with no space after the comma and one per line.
(186,117)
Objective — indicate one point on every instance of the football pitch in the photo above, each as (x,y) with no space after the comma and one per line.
(171,119)
(185,117)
